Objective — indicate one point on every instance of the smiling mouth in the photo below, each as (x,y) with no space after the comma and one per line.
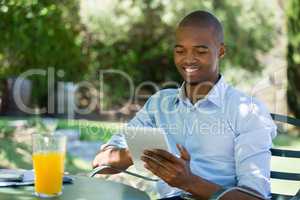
(190,70)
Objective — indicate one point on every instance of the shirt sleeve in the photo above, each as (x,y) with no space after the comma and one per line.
(143,118)
(255,130)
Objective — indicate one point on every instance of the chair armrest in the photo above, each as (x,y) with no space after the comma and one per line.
(218,194)
(214,196)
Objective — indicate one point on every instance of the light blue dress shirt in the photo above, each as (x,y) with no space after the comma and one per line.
(228,135)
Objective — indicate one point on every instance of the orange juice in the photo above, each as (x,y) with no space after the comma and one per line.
(48,170)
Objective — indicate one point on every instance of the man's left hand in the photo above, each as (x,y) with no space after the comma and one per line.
(173,170)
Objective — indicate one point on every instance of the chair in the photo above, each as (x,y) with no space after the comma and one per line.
(285,154)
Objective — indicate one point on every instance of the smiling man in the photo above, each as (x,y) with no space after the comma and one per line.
(219,137)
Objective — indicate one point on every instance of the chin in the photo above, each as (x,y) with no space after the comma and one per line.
(197,81)
(193,82)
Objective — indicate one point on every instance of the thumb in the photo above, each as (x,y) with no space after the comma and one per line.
(95,163)
(184,154)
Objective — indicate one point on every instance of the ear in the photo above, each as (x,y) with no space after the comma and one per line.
(222,50)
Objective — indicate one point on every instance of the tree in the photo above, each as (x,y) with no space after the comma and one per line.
(293,56)
(38,34)
(136,36)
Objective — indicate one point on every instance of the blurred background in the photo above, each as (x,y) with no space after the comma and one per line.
(72,64)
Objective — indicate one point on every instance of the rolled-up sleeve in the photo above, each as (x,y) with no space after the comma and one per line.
(255,130)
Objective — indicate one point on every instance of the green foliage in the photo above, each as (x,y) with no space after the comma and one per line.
(10,154)
(293,56)
(138,36)
(134,36)
(144,44)
(89,130)
(38,34)
(17,154)
(249,31)
(95,134)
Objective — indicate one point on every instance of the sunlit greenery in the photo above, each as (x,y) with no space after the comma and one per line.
(15,142)
(136,37)
(293,57)
(38,34)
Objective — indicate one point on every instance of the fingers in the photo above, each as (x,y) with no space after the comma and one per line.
(157,162)
(162,154)
(95,162)
(153,163)
(101,157)
(163,174)
(184,154)
(158,168)
(161,165)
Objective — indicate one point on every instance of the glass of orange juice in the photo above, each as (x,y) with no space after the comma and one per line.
(48,163)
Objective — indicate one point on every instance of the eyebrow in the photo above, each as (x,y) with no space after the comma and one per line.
(197,46)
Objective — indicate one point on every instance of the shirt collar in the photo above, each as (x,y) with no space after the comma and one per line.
(216,94)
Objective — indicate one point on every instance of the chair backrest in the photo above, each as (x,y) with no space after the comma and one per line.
(286,154)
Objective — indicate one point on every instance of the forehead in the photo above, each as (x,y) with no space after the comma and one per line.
(192,35)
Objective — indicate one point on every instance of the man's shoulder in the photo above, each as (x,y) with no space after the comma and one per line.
(246,112)
(243,106)
(236,97)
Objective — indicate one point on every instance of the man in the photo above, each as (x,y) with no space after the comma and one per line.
(223,136)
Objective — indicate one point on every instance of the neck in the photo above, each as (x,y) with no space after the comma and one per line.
(199,90)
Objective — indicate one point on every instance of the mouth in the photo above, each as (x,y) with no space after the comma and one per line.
(191,70)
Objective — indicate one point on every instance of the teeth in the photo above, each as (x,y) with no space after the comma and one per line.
(190,70)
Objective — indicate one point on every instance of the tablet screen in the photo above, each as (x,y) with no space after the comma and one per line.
(140,138)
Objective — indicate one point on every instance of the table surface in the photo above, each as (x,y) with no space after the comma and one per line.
(83,188)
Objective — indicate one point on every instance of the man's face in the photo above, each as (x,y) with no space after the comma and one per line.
(196,54)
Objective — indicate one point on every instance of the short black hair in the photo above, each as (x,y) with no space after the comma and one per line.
(204,19)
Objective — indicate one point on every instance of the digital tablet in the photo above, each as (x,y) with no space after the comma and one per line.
(140,138)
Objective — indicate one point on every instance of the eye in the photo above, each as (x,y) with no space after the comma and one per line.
(201,52)
(179,51)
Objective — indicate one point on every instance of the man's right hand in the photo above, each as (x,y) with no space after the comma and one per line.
(118,158)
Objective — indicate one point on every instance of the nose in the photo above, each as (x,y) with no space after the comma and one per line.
(189,59)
